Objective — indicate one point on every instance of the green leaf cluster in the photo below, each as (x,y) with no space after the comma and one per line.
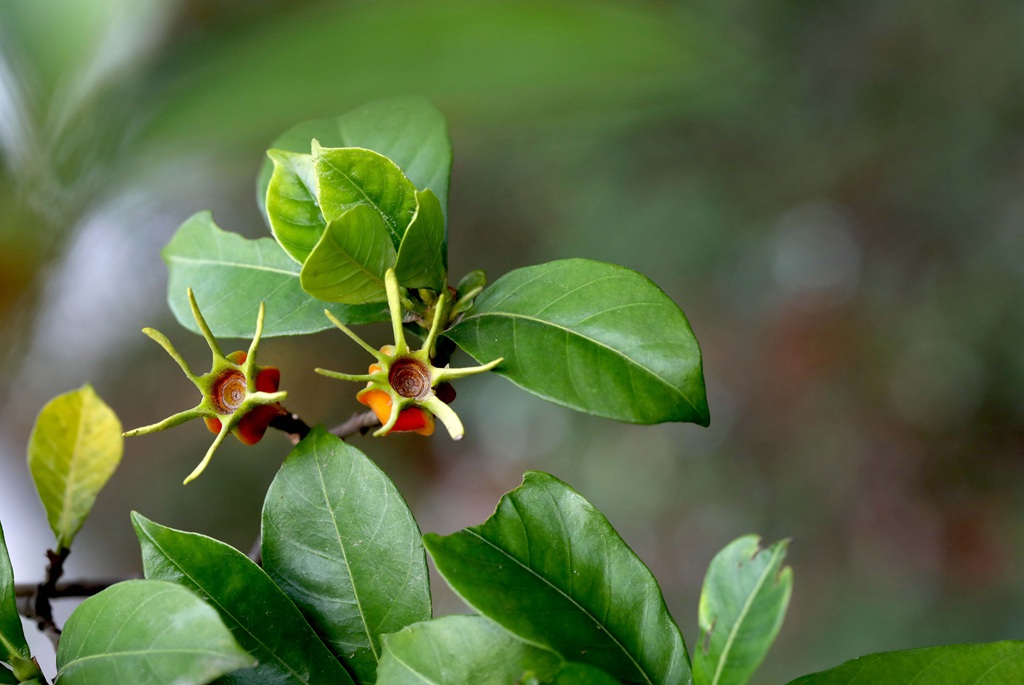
(347,199)
(343,595)
(342,566)
(341,591)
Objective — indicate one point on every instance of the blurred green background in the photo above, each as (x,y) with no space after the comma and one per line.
(831,191)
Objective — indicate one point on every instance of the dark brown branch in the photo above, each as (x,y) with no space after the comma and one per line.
(359,424)
(36,605)
(291,424)
(81,588)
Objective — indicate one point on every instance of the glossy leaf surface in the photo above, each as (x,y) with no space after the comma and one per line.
(745,596)
(13,647)
(340,541)
(454,650)
(996,663)
(582,674)
(291,204)
(231,275)
(550,568)
(347,176)
(409,131)
(591,336)
(422,262)
(146,632)
(255,610)
(349,262)
(74,448)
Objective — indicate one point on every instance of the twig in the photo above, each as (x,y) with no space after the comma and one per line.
(36,605)
(27,593)
(291,424)
(360,423)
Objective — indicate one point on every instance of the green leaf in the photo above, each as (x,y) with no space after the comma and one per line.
(255,610)
(368,574)
(995,663)
(422,262)
(409,131)
(349,262)
(231,276)
(746,593)
(467,290)
(74,448)
(455,650)
(582,674)
(595,337)
(474,280)
(146,632)
(291,204)
(348,176)
(459,649)
(13,647)
(6,676)
(550,568)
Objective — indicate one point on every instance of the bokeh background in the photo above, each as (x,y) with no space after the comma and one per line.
(831,191)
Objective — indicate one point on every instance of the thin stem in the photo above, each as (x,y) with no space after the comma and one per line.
(359,424)
(292,424)
(41,608)
(76,588)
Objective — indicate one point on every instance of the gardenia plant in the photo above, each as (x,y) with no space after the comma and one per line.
(338,590)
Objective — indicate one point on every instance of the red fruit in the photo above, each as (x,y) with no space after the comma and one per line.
(411,419)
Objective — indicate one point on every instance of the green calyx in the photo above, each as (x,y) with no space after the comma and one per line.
(229,389)
(408,376)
